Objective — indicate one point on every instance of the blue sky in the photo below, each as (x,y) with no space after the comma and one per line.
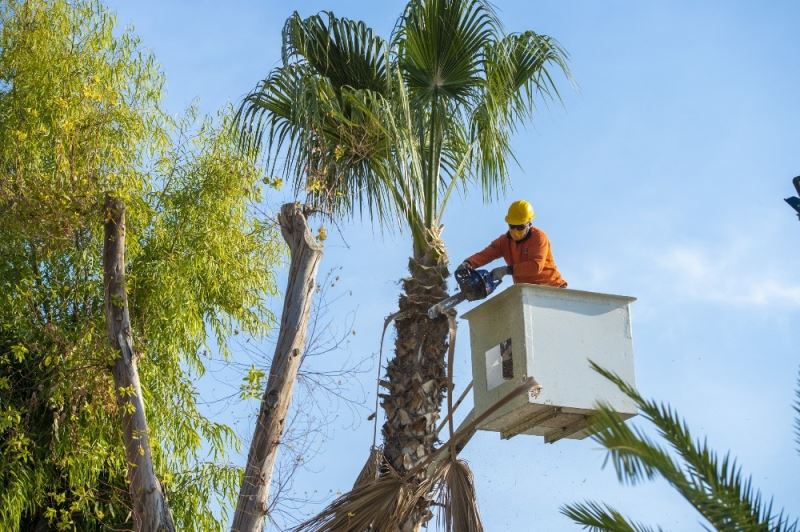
(661,176)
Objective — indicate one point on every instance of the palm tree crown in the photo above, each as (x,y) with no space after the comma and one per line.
(394,127)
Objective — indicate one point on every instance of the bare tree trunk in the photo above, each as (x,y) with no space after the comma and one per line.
(306,254)
(150,509)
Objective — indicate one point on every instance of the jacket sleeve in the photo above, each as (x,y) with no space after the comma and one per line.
(487,255)
(539,247)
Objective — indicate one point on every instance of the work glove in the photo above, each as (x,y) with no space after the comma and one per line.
(464,267)
(501,271)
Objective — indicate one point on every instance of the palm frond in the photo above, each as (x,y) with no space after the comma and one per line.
(457,161)
(384,503)
(525,60)
(714,486)
(347,52)
(493,148)
(350,171)
(518,69)
(381,504)
(372,468)
(378,505)
(457,502)
(272,108)
(440,46)
(409,184)
(333,143)
(635,456)
(392,129)
(600,517)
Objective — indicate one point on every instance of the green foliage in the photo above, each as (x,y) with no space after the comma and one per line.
(596,516)
(80,117)
(79,113)
(203,274)
(253,383)
(714,486)
(395,126)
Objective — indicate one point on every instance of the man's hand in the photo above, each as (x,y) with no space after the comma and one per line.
(501,271)
(464,267)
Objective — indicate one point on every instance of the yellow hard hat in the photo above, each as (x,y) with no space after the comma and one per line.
(520,212)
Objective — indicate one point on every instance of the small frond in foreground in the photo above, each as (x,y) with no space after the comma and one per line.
(597,517)
(714,486)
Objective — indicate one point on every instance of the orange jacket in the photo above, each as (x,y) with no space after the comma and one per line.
(530,259)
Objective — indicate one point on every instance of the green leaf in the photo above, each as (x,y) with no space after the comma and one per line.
(714,486)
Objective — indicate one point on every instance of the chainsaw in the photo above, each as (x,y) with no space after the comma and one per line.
(473,285)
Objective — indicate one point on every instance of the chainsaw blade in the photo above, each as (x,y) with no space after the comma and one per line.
(446,304)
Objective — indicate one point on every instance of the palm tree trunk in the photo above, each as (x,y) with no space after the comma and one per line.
(150,508)
(306,253)
(417,375)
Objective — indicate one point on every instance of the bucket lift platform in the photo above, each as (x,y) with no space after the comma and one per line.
(550,334)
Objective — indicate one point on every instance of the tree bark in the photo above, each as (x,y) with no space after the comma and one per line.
(417,375)
(150,509)
(306,253)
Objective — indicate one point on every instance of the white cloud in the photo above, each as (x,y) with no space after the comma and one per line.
(727,274)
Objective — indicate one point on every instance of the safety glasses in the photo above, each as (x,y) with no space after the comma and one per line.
(517,227)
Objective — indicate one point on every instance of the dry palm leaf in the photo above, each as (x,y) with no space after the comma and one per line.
(377,505)
(383,504)
(455,495)
(371,470)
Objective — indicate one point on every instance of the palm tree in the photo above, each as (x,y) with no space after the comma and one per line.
(714,487)
(391,129)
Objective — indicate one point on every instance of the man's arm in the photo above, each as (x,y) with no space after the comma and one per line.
(485,256)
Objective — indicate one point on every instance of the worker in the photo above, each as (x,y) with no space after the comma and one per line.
(525,248)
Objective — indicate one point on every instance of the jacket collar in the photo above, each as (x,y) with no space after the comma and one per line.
(526,237)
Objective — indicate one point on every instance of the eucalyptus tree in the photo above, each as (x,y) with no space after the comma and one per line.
(391,129)
(89,162)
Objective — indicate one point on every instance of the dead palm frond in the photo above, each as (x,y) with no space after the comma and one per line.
(371,470)
(455,496)
(377,505)
(384,503)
